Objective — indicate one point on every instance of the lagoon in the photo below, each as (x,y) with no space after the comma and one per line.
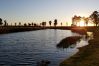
(28,48)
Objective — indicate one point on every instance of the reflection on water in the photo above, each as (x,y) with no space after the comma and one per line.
(27,48)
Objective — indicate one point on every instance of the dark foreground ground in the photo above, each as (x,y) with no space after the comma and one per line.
(87,55)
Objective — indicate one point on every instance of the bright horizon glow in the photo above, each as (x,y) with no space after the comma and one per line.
(37,11)
(82,23)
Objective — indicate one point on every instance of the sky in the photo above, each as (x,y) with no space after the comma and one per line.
(27,11)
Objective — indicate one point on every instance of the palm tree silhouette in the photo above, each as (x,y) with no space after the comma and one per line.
(50,22)
(55,22)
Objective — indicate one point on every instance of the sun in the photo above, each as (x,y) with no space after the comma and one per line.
(82,23)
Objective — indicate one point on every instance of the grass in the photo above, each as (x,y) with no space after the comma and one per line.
(87,55)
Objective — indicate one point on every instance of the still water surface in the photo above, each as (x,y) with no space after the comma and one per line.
(27,48)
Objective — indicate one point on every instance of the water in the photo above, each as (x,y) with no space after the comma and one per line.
(27,48)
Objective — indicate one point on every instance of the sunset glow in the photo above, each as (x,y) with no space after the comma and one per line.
(45,10)
(82,23)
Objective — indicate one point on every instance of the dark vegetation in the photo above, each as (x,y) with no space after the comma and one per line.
(11,29)
(66,42)
(93,18)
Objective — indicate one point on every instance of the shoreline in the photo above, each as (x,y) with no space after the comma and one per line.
(87,55)
(13,29)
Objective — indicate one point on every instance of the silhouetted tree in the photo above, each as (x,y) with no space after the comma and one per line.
(55,22)
(32,24)
(5,23)
(76,20)
(29,24)
(15,24)
(86,20)
(25,24)
(1,21)
(50,22)
(95,17)
(61,23)
(19,23)
(43,24)
(35,25)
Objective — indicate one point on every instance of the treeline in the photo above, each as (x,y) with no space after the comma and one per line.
(93,18)
(42,24)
